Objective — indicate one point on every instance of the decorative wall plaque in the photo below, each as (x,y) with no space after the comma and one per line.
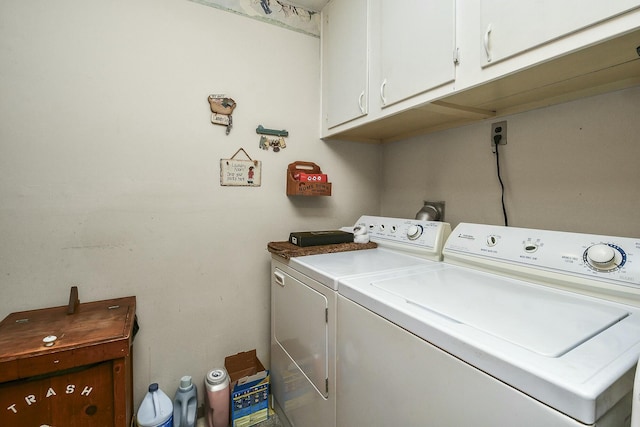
(237,172)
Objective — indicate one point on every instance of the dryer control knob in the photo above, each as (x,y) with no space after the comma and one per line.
(414,231)
(601,257)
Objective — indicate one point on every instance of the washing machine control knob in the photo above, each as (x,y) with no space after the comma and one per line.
(414,231)
(492,241)
(603,257)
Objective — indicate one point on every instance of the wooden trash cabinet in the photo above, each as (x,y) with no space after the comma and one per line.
(60,369)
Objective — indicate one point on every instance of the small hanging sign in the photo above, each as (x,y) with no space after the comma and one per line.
(221,108)
(236,172)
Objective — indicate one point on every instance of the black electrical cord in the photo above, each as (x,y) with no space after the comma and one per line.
(496,140)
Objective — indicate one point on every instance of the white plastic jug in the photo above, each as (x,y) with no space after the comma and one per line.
(156,409)
(185,404)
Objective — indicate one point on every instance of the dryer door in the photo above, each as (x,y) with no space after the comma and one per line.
(300,327)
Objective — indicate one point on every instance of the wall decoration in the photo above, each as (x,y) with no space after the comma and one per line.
(275,12)
(276,143)
(243,173)
(275,132)
(307,179)
(221,108)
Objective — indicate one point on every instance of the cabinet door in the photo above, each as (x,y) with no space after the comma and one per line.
(417,43)
(513,27)
(344,61)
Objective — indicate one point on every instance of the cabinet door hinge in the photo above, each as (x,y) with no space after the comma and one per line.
(456,56)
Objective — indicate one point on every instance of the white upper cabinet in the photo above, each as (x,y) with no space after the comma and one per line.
(383,56)
(416,40)
(344,61)
(396,68)
(512,27)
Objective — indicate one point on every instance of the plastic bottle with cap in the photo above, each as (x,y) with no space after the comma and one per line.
(217,400)
(360,234)
(156,409)
(185,404)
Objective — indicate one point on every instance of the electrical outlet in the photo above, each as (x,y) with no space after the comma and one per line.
(498,133)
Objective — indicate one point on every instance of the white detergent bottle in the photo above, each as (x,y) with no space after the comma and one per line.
(185,404)
(156,409)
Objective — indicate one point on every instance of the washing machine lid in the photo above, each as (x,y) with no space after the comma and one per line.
(561,348)
(527,316)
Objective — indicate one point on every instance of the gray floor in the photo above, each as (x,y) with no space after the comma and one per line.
(273,421)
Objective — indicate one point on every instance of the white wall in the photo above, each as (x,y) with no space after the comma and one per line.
(572,167)
(109,169)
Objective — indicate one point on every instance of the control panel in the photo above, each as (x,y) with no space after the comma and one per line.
(606,258)
(406,234)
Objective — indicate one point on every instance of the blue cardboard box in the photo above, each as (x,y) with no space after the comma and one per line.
(250,387)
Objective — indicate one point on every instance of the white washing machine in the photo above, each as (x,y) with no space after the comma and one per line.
(303,310)
(516,327)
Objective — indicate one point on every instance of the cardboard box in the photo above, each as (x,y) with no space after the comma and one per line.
(249,389)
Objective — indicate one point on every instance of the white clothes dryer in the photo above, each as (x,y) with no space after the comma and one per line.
(303,310)
(515,327)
